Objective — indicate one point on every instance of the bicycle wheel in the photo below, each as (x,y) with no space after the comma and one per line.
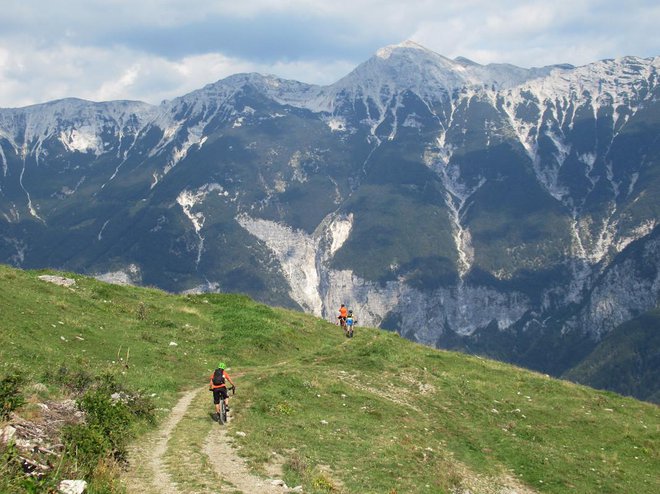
(222,416)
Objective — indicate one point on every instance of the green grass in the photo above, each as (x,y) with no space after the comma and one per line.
(373,414)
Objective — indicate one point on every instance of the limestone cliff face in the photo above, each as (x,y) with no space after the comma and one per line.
(305,260)
(627,289)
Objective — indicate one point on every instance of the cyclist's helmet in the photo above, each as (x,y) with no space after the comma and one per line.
(222,366)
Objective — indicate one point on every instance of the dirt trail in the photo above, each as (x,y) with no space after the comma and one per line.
(161,477)
(149,474)
(232,467)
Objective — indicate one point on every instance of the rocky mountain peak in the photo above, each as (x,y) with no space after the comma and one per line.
(406,66)
(406,48)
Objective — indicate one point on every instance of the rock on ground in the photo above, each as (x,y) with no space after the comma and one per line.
(73,486)
(58,280)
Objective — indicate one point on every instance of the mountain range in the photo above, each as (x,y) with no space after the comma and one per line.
(489,208)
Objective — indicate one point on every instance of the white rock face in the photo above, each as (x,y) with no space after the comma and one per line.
(132,275)
(188,200)
(622,295)
(369,302)
(320,290)
(86,120)
(304,259)
(297,254)
(463,310)
(83,140)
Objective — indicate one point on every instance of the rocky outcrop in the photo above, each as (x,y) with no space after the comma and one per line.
(630,287)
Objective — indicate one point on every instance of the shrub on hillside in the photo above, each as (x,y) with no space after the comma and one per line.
(87,445)
(74,381)
(10,394)
(110,412)
(111,418)
(140,406)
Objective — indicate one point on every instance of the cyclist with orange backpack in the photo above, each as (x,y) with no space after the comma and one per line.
(219,388)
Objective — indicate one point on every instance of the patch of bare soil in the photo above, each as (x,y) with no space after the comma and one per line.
(489,485)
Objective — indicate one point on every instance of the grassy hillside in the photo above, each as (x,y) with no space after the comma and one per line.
(375,414)
(627,360)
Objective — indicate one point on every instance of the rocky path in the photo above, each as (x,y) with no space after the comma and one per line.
(191,454)
(147,472)
(160,476)
(225,462)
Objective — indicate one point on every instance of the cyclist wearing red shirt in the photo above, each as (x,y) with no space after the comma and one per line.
(343,313)
(218,386)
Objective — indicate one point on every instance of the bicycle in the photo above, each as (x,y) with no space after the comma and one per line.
(342,323)
(222,416)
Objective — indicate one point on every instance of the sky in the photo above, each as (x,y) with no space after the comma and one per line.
(152,50)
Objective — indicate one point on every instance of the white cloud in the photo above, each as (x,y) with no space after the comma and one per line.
(100,74)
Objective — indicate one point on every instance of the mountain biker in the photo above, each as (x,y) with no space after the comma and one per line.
(349,324)
(343,313)
(218,386)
